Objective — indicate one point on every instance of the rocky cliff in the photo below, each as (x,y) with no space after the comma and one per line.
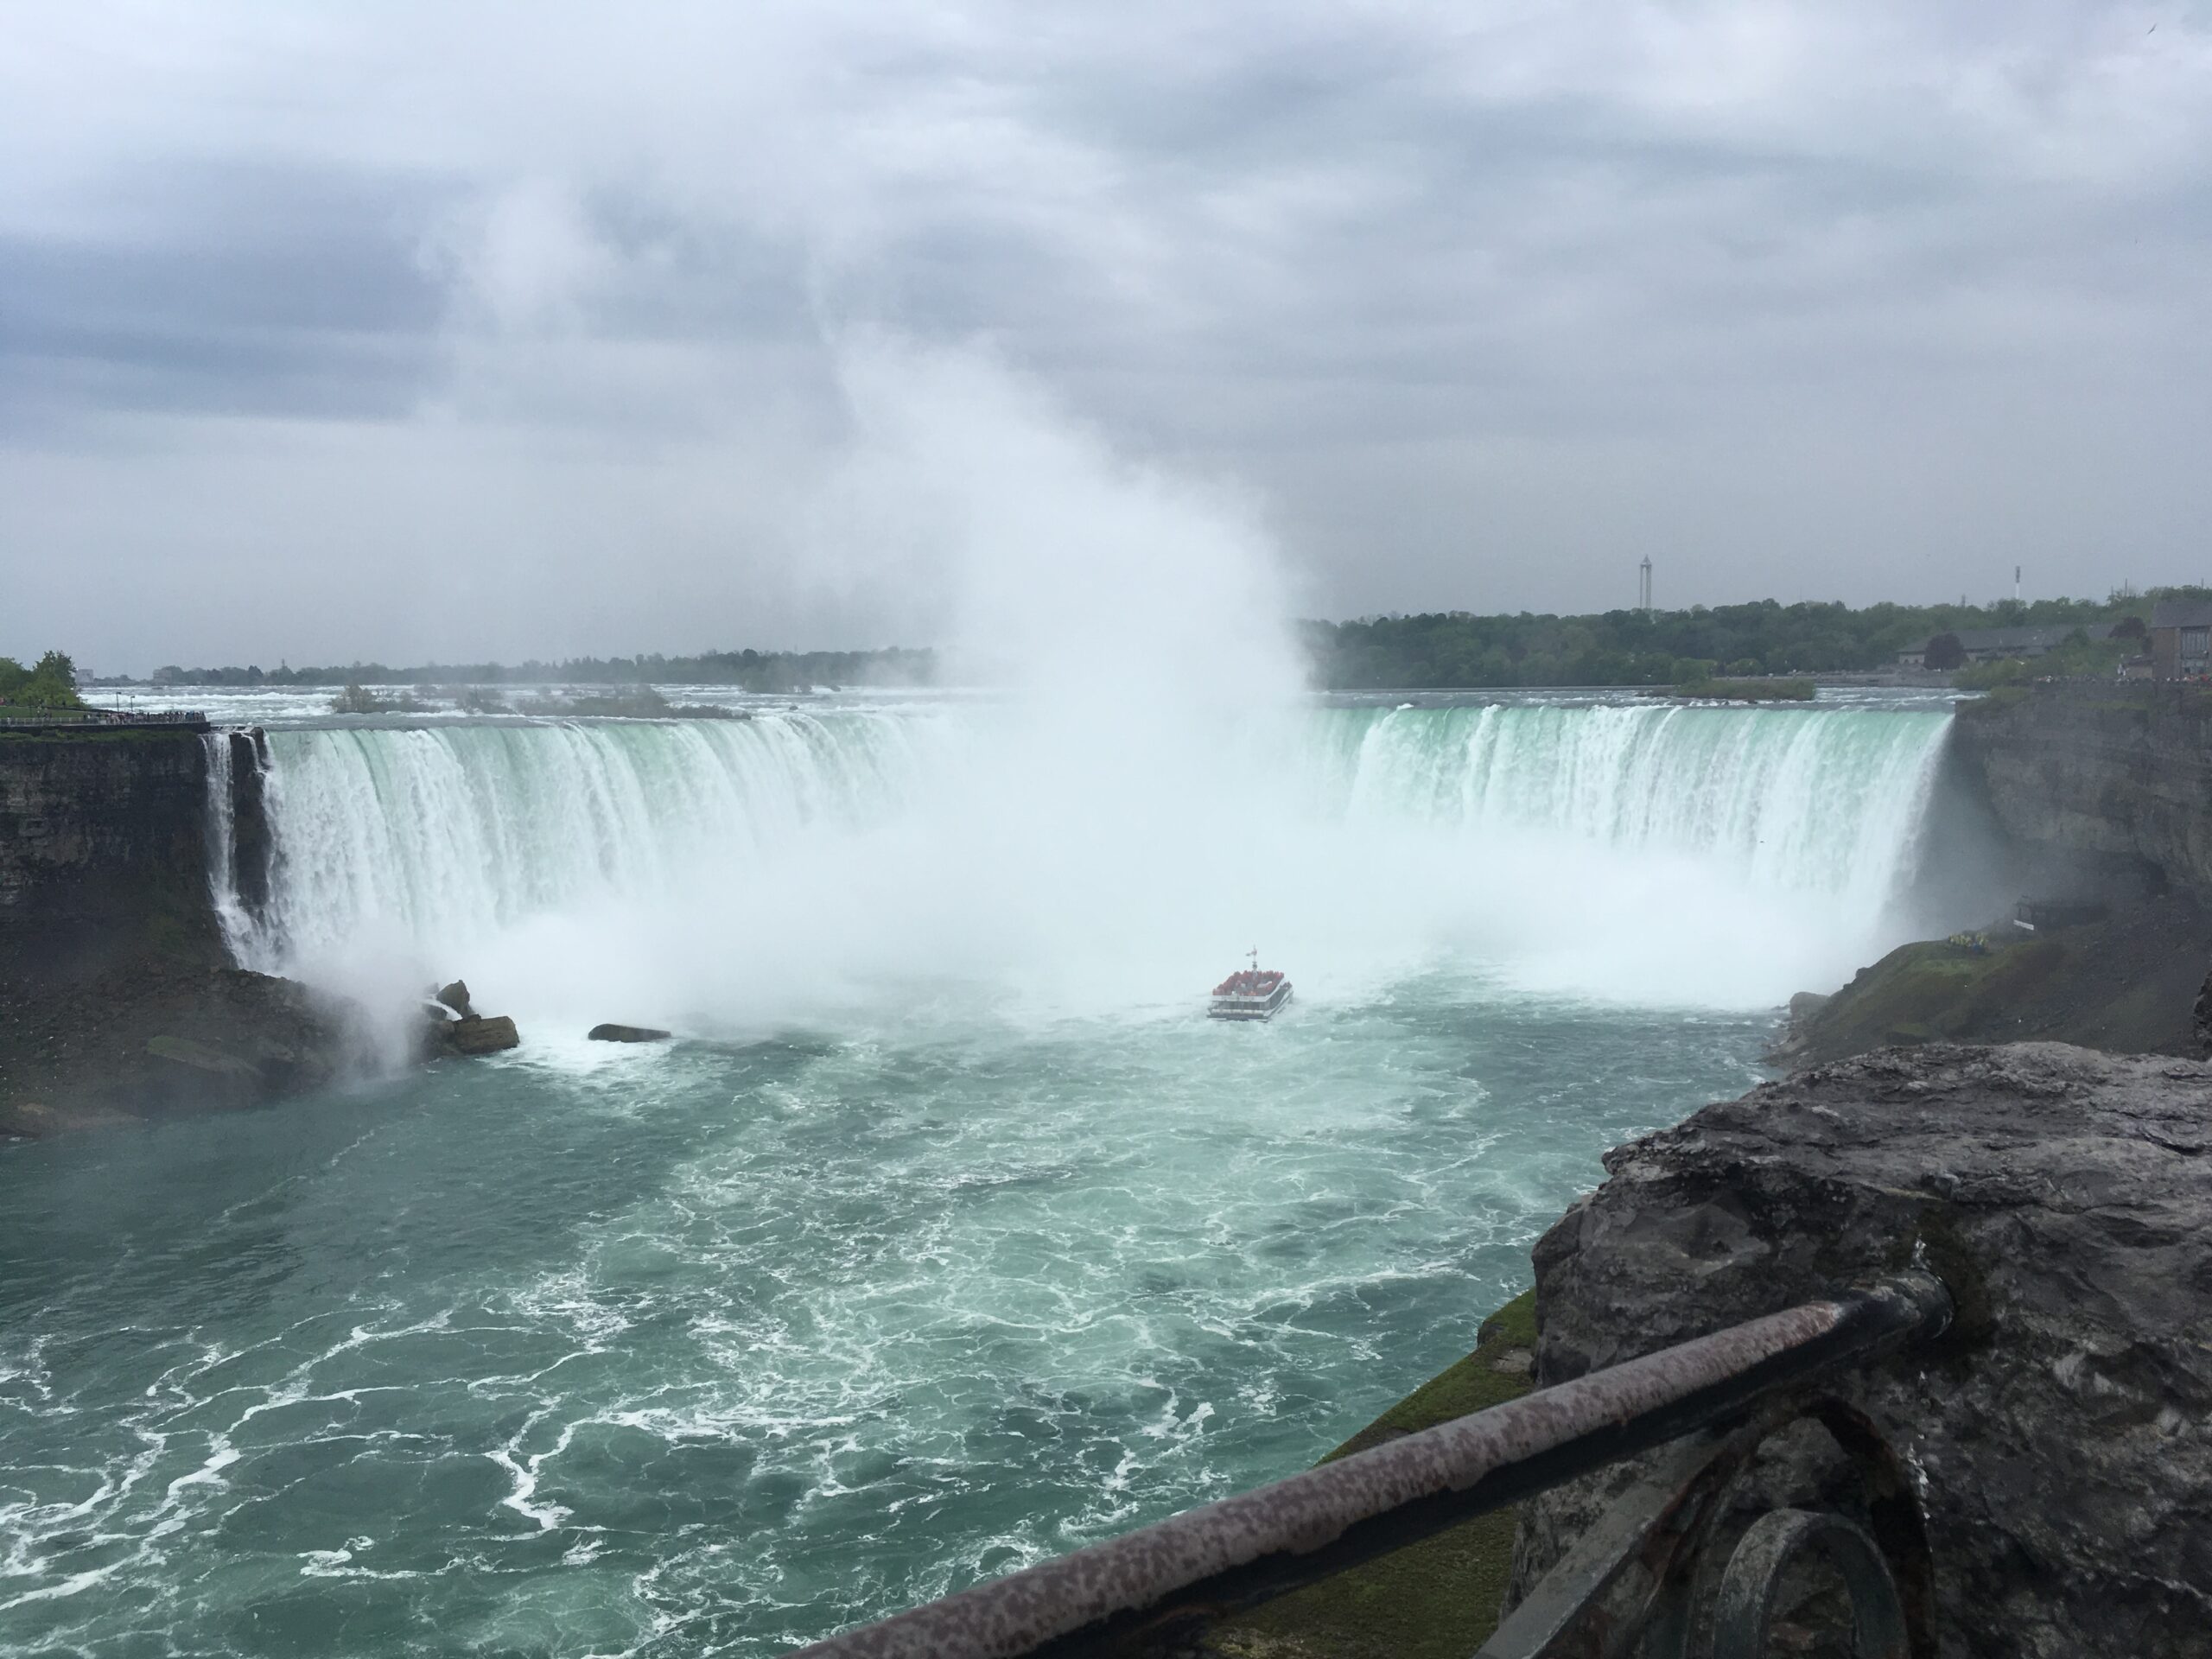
(118,999)
(2064,1428)
(2115,779)
(105,848)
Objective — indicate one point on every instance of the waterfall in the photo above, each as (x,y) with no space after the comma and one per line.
(1719,856)
(1810,800)
(231,914)
(460,830)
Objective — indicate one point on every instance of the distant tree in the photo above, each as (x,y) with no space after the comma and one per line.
(2129,627)
(51,683)
(1945,653)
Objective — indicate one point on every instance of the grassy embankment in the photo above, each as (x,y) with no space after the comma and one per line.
(1439,1599)
(2126,984)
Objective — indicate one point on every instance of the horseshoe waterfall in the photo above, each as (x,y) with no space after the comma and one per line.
(947,1233)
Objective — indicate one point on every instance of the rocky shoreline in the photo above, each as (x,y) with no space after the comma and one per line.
(2066,1198)
(153,1039)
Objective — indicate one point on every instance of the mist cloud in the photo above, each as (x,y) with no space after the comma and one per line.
(436,331)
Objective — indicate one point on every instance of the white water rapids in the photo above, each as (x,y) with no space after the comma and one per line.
(958,1237)
(733,873)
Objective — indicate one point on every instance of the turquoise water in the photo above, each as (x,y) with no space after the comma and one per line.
(716,1349)
(950,1237)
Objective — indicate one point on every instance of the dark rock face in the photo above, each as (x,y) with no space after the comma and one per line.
(152,1039)
(455,996)
(2065,1425)
(117,1000)
(2118,778)
(104,853)
(612,1033)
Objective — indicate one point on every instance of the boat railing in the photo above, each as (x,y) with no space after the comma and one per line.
(1637,1573)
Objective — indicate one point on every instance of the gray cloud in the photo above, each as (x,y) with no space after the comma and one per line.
(538,312)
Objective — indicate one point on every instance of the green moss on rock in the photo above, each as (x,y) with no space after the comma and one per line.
(2126,984)
(1437,1599)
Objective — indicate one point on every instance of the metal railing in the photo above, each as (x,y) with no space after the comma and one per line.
(105,718)
(1632,1577)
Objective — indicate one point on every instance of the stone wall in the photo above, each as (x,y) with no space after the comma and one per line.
(2064,1426)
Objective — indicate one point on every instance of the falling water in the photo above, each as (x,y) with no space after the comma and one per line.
(867,1287)
(239,931)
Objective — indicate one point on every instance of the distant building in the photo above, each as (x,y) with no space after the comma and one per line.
(2181,639)
(1993,644)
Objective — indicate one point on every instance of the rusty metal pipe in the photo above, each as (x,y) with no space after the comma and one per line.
(1257,1545)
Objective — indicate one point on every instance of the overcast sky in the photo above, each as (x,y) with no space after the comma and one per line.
(411,330)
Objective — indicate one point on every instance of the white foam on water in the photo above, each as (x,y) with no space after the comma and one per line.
(847,866)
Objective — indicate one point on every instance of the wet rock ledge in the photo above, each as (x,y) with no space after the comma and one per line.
(2064,1426)
(151,1038)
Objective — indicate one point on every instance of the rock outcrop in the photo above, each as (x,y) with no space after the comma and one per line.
(613,1033)
(2064,1426)
(2113,781)
(151,1040)
(103,853)
(2127,983)
(118,999)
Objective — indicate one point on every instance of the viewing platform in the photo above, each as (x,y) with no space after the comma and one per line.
(105,720)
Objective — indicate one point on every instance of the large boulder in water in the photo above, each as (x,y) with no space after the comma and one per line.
(465,1039)
(2061,1426)
(612,1033)
(455,996)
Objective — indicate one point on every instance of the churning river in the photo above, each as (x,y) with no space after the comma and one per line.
(947,1236)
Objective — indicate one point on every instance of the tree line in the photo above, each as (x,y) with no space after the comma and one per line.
(1452,649)
(1439,650)
(750,671)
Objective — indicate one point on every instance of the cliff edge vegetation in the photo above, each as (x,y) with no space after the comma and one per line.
(2127,984)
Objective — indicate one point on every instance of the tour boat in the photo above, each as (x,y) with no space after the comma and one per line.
(1253,992)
